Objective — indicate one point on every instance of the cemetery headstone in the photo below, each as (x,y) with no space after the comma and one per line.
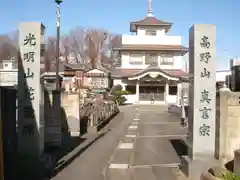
(202,99)
(30,125)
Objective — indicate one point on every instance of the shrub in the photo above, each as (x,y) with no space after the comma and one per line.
(122,100)
(118,93)
(230,176)
(116,88)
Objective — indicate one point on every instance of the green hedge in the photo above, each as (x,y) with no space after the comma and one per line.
(230,176)
(117,94)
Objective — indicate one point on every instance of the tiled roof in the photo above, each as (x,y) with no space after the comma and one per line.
(139,47)
(131,72)
(149,21)
(73,66)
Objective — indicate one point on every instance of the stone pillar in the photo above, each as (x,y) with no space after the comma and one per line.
(166,92)
(137,91)
(124,87)
(179,89)
(56,118)
(1,141)
(30,125)
(202,100)
(67,87)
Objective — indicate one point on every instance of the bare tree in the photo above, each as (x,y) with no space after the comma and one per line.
(8,48)
(105,43)
(88,47)
(50,53)
(100,47)
(94,46)
(76,45)
(111,59)
(66,48)
(91,48)
(14,36)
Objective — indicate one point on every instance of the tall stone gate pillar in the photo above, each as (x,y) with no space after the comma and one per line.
(202,100)
(30,125)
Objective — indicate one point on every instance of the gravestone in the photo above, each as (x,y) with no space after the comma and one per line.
(202,100)
(30,123)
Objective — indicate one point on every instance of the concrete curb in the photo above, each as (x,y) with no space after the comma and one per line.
(67,159)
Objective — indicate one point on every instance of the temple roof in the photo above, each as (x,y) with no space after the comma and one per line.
(140,47)
(149,21)
(134,72)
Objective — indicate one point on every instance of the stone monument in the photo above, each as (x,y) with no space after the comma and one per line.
(30,123)
(202,100)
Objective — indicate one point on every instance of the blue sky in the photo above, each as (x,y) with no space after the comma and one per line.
(116,15)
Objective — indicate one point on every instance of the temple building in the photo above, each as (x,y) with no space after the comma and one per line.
(151,62)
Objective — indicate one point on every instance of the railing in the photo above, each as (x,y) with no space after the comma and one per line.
(97,113)
(101,112)
(93,116)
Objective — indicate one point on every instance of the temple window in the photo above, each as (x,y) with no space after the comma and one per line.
(151,59)
(167,59)
(135,59)
(150,32)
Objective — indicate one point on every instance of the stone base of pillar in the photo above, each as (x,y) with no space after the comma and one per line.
(123,87)
(166,101)
(75,134)
(136,99)
(194,168)
(237,162)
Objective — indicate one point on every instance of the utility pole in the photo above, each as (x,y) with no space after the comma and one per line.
(58,2)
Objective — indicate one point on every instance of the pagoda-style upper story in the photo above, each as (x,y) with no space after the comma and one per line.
(151,46)
(150,31)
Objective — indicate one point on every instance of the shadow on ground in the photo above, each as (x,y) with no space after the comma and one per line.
(51,165)
(180,147)
(31,167)
(55,159)
(73,150)
(230,165)
(126,104)
(60,165)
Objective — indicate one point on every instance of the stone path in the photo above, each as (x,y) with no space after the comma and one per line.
(139,146)
(147,151)
(89,164)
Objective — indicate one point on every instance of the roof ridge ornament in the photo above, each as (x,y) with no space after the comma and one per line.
(150,14)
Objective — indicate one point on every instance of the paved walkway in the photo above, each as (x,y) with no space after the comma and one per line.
(147,151)
(89,164)
(140,146)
